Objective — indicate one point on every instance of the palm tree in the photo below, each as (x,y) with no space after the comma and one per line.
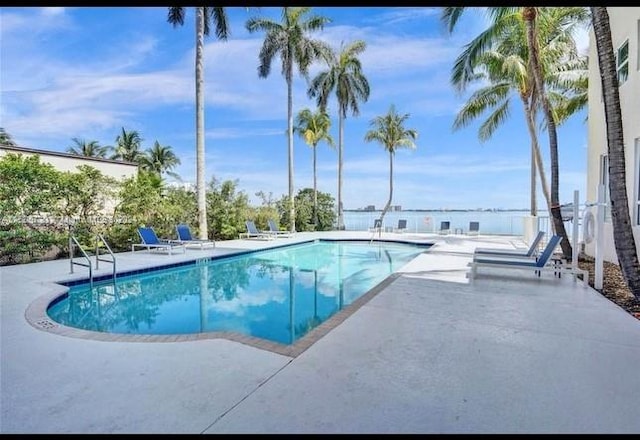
(205,16)
(160,159)
(128,146)
(313,128)
(620,218)
(501,18)
(345,76)
(88,148)
(6,139)
(289,39)
(505,68)
(390,132)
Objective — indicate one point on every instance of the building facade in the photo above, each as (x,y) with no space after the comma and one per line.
(625,33)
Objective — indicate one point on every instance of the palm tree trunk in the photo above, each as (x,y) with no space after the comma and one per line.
(386,208)
(529,15)
(200,162)
(620,218)
(315,190)
(340,137)
(292,210)
(533,206)
(535,148)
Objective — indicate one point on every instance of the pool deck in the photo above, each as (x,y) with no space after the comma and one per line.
(429,352)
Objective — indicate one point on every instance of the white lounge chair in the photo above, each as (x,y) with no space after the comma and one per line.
(537,264)
(402,226)
(275,230)
(474,228)
(445,228)
(253,232)
(533,249)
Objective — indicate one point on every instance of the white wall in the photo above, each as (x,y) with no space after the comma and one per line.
(625,24)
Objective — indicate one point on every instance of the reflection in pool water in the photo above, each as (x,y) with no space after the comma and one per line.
(278,294)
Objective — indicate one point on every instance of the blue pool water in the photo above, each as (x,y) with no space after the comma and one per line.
(277,294)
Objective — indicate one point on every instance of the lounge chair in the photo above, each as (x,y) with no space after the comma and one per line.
(402,226)
(533,248)
(474,228)
(377,225)
(151,241)
(185,238)
(540,264)
(253,232)
(275,230)
(445,228)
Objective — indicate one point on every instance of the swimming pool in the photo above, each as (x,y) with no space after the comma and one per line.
(278,295)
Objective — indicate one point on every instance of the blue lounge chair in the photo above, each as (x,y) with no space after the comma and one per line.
(538,264)
(185,238)
(151,241)
(253,232)
(275,230)
(377,225)
(533,249)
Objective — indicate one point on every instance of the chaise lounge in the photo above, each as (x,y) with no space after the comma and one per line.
(185,238)
(150,241)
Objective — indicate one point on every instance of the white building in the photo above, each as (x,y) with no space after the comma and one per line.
(625,33)
(116,169)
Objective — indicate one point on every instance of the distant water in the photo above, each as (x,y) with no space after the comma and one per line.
(497,223)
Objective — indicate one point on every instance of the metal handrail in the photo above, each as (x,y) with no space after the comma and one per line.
(99,238)
(72,241)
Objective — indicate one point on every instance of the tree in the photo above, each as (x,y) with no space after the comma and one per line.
(205,16)
(6,139)
(88,148)
(160,159)
(128,146)
(290,40)
(345,76)
(620,218)
(504,66)
(477,46)
(313,128)
(389,131)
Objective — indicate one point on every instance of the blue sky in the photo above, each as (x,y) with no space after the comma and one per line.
(87,72)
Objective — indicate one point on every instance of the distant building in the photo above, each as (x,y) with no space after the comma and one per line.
(625,33)
(370,208)
(396,208)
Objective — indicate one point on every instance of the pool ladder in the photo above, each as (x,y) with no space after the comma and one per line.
(99,239)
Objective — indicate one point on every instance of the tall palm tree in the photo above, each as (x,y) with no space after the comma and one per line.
(501,18)
(345,76)
(620,218)
(390,132)
(160,159)
(88,148)
(290,40)
(128,146)
(505,68)
(6,139)
(313,128)
(205,16)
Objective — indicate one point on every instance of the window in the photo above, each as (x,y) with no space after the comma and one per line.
(637,185)
(604,180)
(622,62)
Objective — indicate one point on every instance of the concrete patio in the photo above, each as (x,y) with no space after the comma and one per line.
(431,352)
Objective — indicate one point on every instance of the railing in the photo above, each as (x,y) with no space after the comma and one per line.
(73,242)
(99,239)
